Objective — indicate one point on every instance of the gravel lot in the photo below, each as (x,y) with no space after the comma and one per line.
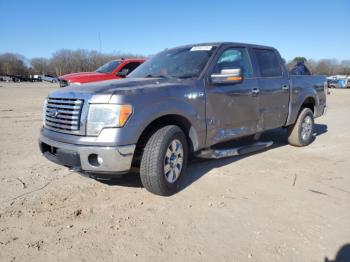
(284,204)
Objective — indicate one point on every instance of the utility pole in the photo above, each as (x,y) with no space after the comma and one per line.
(99,40)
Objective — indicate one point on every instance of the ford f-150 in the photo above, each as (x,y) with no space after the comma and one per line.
(183,101)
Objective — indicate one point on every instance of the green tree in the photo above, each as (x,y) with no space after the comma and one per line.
(299,59)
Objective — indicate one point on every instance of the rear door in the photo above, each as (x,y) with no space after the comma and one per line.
(231,109)
(274,88)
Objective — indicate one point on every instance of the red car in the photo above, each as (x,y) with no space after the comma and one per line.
(115,69)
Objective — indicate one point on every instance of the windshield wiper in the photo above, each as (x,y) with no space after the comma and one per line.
(156,76)
(186,76)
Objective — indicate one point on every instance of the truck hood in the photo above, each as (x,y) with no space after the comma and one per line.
(101,92)
(86,77)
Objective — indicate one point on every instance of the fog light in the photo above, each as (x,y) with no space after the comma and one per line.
(95,160)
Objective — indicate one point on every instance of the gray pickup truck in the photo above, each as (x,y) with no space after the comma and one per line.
(181,102)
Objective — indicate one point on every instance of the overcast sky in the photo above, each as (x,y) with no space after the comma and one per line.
(314,29)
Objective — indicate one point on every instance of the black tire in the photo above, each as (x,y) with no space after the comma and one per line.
(296,137)
(153,160)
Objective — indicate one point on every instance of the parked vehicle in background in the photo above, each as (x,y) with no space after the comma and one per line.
(15,78)
(115,69)
(342,83)
(347,82)
(338,83)
(5,78)
(332,83)
(182,101)
(36,78)
(49,78)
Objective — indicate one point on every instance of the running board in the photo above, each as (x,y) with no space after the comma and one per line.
(236,151)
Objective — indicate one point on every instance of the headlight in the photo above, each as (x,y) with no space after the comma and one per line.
(44,111)
(106,115)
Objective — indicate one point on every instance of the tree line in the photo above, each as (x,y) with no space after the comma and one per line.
(62,62)
(66,61)
(323,66)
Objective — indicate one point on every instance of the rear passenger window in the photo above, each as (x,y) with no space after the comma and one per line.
(268,63)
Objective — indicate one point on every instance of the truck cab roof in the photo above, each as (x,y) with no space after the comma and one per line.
(220,44)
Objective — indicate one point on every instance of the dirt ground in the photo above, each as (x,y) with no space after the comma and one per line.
(284,204)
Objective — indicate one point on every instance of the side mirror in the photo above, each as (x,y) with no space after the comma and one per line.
(227,76)
(123,73)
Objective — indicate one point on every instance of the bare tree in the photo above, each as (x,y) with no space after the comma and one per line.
(40,65)
(66,61)
(13,64)
(324,66)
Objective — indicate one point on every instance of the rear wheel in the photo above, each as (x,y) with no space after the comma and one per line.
(300,134)
(164,160)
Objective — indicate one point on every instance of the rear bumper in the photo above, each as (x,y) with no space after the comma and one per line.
(320,110)
(88,158)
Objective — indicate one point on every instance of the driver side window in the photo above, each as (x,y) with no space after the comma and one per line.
(234,58)
(128,68)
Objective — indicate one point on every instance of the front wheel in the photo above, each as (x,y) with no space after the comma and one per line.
(300,134)
(164,160)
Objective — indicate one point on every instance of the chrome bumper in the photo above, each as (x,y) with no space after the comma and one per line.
(84,158)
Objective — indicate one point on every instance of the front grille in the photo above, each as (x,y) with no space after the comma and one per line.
(63,114)
(63,83)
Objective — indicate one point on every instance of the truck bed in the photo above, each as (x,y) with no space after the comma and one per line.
(311,84)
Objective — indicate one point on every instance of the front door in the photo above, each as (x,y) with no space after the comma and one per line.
(232,109)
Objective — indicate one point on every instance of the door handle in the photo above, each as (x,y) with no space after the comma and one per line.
(285,87)
(255,91)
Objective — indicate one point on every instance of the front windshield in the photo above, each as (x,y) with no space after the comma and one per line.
(109,67)
(187,62)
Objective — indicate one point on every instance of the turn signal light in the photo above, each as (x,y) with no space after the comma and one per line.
(234,78)
(125,113)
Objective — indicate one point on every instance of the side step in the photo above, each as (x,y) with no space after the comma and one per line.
(236,151)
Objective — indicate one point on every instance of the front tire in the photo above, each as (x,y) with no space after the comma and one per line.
(164,160)
(300,134)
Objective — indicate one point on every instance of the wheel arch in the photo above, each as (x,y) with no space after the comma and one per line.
(308,101)
(169,119)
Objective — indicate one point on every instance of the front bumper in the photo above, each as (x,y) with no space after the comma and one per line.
(87,157)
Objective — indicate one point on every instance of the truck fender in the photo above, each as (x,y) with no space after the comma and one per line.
(160,110)
(297,104)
